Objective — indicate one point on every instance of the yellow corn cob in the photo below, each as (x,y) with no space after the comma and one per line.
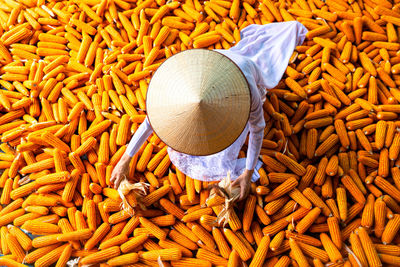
(10,262)
(38,253)
(316,200)
(123,129)
(3,236)
(211,257)
(163,254)
(285,187)
(144,158)
(53,178)
(133,243)
(96,130)
(390,230)
(234,259)
(15,247)
(118,217)
(171,208)
(126,259)
(64,257)
(330,248)
(298,253)
(241,249)
(9,217)
(191,261)
(152,228)
(295,167)
(70,186)
(66,227)
(171,244)
(83,234)
(350,185)
(195,215)
(22,238)
(308,220)
(85,146)
(38,166)
(187,241)
(162,167)
(97,236)
(387,249)
(369,249)
(367,217)
(297,89)
(249,212)
(262,215)
(156,195)
(5,195)
(276,242)
(101,256)
(342,202)
(379,217)
(297,196)
(55,142)
(261,252)
(314,252)
(223,247)
(51,257)
(165,220)
(91,215)
(40,227)
(387,187)
(115,241)
(334,230)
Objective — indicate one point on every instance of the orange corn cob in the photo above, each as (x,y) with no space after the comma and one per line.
(330,248)
(369,249)
(101,256)
(241,249)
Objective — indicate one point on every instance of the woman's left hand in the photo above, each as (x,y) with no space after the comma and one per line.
(244,181)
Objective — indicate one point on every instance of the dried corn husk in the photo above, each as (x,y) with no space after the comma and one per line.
(231,194)
(138,189)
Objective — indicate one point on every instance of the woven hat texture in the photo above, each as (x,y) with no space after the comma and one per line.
(198,102)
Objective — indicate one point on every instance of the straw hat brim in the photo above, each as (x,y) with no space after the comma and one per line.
(198,102)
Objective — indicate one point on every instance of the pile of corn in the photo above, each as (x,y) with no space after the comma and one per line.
(75,75)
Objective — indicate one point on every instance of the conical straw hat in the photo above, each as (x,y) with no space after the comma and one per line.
(198,102)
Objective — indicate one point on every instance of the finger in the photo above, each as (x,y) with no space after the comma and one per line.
(246,193)
(114,179)
(116,184)
(242,193)
(236,182)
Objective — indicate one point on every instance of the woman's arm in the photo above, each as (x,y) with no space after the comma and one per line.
(121,170)
(140,136)
(257,125)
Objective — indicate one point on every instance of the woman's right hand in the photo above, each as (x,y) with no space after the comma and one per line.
(120,171)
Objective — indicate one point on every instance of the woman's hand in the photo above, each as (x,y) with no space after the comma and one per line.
(121,171)
(244,181)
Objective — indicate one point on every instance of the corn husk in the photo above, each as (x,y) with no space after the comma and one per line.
(139,190)
(231,194)
(160,262)
(73,262)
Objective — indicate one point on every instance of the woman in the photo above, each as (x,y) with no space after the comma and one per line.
(203,104)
